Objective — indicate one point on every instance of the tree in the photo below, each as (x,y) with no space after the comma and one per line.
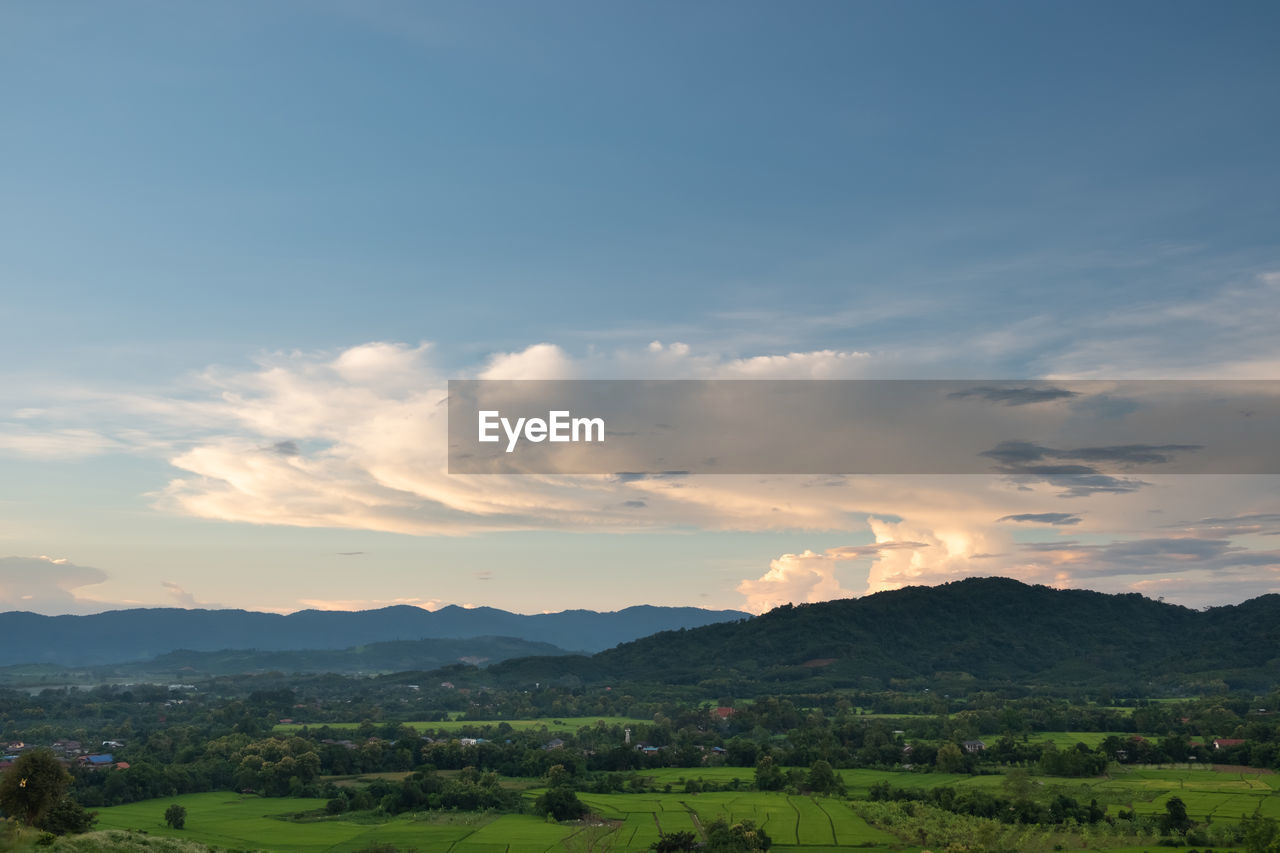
(950,758)
(561,803)
(175,816)
(822,779)
(741,837)
(33,785)
(558,777)
(768,776)
(1175,818)
(66,817)
(675,842)
(1261,835)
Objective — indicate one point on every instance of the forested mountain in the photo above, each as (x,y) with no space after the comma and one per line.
(132,635)
(977,632)
(185,666)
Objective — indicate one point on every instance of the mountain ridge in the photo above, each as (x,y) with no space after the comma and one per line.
(997,632)
(139,634)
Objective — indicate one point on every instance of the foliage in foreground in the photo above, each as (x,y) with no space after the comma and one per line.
(16,840)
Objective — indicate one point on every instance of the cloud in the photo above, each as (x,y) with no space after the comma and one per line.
(1019,453)
(540,361)
(1055,518)
(68,443)
(370,603)
(1026,461)
(1014,396)
(1264,523)
(1169,556)
(185,599)
(46,585)
(808,576)
(371,420)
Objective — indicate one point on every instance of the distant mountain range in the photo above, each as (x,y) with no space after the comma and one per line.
(185,666)
(121,636)
(991,633)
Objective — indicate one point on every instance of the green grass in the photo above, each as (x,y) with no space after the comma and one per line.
(551,724)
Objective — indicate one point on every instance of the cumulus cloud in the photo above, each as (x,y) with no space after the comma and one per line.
(46,585)
(356,439)
(807,577)
(540,361)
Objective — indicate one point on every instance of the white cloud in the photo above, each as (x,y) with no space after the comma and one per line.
(368,427)
(809,577)
(540,361)
(46,585)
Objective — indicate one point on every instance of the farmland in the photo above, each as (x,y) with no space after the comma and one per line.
(632,822)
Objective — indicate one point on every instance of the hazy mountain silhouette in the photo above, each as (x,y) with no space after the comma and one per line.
(131,635)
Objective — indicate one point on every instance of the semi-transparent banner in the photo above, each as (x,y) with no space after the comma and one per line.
(1045,428)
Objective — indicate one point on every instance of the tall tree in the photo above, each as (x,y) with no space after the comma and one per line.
(32,786)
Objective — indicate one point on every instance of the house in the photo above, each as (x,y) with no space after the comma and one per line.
(97,761)
(1226,742)
(722,713)
(974,746)
(122,765)
(554,743)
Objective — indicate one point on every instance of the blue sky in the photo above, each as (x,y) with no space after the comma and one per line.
(197,195)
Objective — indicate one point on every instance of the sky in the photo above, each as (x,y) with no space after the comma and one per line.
(243,247)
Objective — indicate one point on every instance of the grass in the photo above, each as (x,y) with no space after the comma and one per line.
(551,724)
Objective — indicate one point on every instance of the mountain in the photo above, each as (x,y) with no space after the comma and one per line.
(119,636)
(184,665)
(980,632)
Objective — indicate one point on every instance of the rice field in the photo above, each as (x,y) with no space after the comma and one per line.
(633,822)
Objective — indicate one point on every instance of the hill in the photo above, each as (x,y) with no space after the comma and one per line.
(142,634)
(980,632)
(185,665)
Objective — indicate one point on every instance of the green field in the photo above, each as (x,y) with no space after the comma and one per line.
(551,724)
(634,821)
(240,822)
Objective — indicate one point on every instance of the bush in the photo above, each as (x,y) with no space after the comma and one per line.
(67,817)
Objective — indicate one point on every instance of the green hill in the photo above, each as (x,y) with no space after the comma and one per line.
(981,632)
